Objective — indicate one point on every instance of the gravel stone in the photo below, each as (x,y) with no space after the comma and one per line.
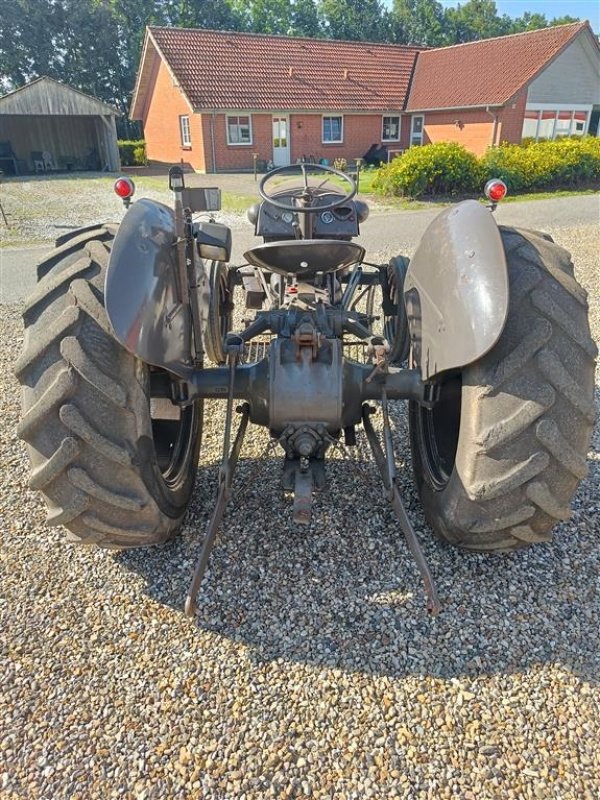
(312,669)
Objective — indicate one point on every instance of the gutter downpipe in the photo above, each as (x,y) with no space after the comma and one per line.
(212,141)
(494,116)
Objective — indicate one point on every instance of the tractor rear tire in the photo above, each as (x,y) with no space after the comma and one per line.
(114,458)
(499,458)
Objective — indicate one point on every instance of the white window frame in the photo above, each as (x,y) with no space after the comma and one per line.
(556,107)
(412,129)
(229,117)
(185,132)
(391,116)
(332,141)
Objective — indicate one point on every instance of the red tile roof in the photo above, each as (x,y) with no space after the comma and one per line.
(221,70)
(487,72)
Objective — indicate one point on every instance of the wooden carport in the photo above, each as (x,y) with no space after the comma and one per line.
(47,126)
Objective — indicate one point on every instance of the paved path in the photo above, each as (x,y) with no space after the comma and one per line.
(384,234)
(17,272)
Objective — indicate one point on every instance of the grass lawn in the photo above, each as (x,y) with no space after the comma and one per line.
(231,201)
(366,178)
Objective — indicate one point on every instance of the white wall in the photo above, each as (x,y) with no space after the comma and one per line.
(573,77)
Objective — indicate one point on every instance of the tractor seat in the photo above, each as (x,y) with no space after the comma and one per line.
(305,257)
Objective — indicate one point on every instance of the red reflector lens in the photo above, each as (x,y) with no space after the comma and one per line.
(124,187)
(495,190)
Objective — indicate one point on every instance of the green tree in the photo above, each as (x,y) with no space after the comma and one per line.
(213,14)
(529,22)
(27,33)
(564,20)
(476,19)
(418,22)
(264,16)
(358,20)
(305,19)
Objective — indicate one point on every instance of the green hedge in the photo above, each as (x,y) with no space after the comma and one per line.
(442,168)
(447,168)
(133,153)
(560,164)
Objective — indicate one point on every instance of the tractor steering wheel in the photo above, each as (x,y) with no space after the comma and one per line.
(306,193)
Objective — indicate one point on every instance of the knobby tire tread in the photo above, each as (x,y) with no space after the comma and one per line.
(527,411)
(85,407)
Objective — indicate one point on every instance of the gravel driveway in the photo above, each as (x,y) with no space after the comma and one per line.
(312,670)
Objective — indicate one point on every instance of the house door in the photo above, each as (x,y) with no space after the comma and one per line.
(416,129)
(281,141)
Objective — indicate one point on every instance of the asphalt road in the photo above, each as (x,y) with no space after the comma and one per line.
(383,235)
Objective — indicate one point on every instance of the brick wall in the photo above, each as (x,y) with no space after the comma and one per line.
(236,156)
(305,131)
(511,120)
(359,133)
(405,131)
(161,124)
(473,129)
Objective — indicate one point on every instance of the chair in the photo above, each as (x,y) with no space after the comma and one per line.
(48,160)
(7,156)
(37,159)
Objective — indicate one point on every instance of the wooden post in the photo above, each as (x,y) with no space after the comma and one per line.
(1,209)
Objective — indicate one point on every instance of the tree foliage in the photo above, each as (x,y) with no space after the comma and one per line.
(476,19)
(361,20)
(94,45)
(305,19)
(419,22)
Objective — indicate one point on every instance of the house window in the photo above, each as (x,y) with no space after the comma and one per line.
(333,129)
(416,130)
(563,124)
(239,129)
(552,123)
(530,124)
(390,129)
(546,126)
(184,130)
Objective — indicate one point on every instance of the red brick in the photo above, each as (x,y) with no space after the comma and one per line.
(471,128)
(511,120)
(161,124)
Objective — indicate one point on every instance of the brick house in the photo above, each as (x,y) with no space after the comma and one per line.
(539,84)
(214,99)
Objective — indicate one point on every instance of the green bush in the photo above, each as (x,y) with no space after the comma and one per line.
(442,168)
(139,155)
(510,163)
(447,168)
(132,153)
(563,163)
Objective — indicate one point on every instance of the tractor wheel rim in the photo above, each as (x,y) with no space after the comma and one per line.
(439,433)
(173,433)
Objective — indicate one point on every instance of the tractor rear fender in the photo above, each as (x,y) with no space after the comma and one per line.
(456,289)
(142,293)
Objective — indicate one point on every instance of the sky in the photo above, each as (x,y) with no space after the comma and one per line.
(584,9)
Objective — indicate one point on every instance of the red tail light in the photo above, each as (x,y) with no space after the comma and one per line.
(124,187)
(495,190)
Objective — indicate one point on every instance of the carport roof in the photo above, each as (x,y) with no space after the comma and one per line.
(224,70)
(46,97)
